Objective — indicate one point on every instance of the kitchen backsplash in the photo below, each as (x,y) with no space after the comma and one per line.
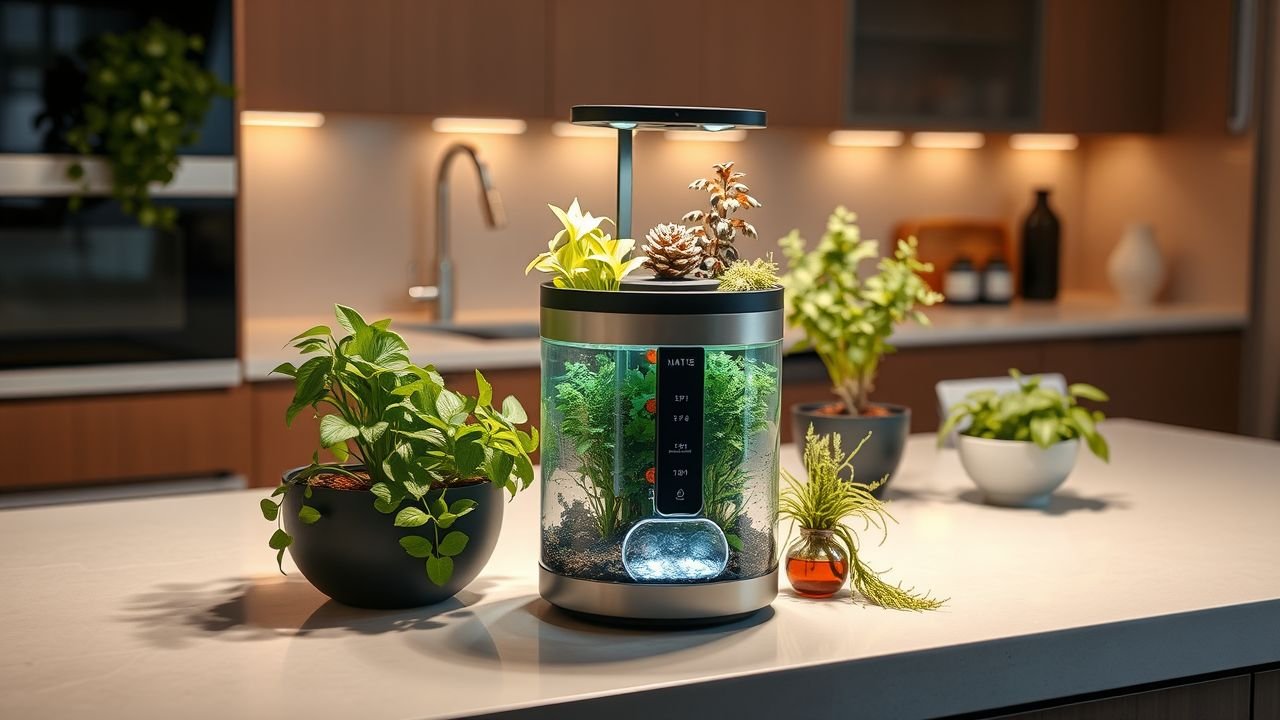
(343,212)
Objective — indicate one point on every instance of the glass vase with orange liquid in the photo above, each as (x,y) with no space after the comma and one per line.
(817,565)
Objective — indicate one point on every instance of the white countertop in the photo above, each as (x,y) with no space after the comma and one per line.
(1162,564)
(1074,316)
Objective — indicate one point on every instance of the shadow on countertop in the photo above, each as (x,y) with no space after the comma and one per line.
(172,615)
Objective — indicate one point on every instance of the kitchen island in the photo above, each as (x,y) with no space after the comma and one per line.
(1161,565)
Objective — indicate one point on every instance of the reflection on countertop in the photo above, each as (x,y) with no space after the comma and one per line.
(1073,316)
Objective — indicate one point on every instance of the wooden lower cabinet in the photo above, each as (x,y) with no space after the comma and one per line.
(1224,699)
(1191,380)
(1266,695)
(114,438)
(277,448)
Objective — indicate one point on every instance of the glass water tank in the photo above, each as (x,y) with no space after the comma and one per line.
(660,411)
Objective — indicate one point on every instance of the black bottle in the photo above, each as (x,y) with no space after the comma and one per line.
(1040,247)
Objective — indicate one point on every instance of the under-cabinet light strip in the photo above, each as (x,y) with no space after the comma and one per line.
(949,140)
(486,126)
(1044,141)
(866,138)
(267,118)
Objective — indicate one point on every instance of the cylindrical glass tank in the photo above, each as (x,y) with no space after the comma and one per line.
(660,410)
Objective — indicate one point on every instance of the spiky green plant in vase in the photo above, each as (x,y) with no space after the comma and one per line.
(847,321)
(824,508)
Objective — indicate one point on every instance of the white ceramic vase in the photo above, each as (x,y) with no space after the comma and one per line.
(1016,473)
(1136,267)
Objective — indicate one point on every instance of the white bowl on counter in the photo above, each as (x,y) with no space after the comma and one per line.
(1016,473)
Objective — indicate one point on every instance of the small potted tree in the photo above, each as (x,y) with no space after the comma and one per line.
(410,512)
(847,321)
(1019,446)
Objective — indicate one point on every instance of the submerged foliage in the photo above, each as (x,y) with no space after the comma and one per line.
(590,398)
(582,256)
(413,436)
(830,500)
(847,320)
(1032,412)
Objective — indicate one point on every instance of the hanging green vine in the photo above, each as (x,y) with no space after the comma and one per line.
(145,96)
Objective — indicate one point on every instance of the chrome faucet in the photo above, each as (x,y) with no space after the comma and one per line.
(442,293)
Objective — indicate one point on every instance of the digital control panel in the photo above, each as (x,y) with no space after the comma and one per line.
(678,470)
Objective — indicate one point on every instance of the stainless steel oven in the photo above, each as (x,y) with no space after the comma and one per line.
(90,301)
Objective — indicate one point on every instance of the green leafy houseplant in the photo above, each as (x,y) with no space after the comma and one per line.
(847,320)
(1031,413)
(410,435)
(582,256)
(145,96)
(831,501)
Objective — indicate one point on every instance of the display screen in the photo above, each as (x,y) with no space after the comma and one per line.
(678,481)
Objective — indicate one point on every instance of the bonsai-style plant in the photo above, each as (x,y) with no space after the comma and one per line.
(743,276)
(589,400)
(718,227)
(582,256)
(847,320)
(417,446)
(828,551)
(145,97)
(996,430)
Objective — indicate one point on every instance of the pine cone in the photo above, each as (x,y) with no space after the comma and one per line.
(673,250)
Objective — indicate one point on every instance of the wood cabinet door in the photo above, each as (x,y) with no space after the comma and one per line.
(629,53)
(1266,695)
(787,58)
(112,438)
(1225,699)
(471,57)
(1103,65)
(317,55)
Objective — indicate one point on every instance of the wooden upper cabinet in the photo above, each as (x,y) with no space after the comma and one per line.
(632,53)
(1103,65)
(1199,69)
(319,55)
(471,57)
(786,58)
(431,57)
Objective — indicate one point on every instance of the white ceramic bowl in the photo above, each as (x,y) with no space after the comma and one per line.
(1016,473)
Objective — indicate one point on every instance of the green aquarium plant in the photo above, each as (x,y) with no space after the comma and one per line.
(830,504)
(847,319)
(411,438)
(1032,412)
(582,256)
(590,397)
(146,93)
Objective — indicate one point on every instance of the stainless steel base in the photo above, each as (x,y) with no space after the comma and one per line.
(652,601)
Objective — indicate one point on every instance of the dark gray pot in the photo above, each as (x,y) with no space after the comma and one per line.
(883,451)
(353,554)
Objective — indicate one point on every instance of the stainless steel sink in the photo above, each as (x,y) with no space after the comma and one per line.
(485,331)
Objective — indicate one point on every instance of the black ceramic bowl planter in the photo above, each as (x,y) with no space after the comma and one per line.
(353,553)
(881,454)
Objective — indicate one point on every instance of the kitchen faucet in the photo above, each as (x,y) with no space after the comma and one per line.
(442,293)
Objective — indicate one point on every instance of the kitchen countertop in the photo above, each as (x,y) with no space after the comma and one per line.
(1160,565)
(1075,316)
